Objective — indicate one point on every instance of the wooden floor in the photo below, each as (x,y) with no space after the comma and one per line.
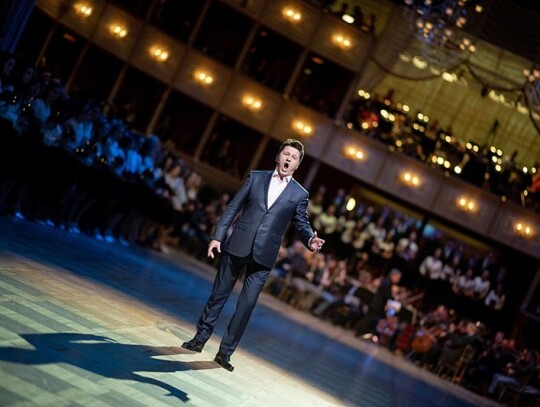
(89,323)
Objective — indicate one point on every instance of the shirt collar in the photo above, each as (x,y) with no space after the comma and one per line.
(275,174)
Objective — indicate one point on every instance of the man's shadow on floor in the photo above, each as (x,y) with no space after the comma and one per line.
(104,357)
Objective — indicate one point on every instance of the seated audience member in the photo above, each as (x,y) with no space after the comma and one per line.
(431,280)
(376,308)
(516,374)
(387,326)
(405,253)
(296,277)
(360,236)
(278,275)
(496,298)
(376,230)
(333,283)
(348,310)
(346,225)
(193,185)
(315,207)
(451,270)
(493,359)
(464,284)
(175,182)
(431,266)
(456,343)
(433,328)
(382,252)
(451,347)
(473,305)
(310,288)
(327,223)
(202,221)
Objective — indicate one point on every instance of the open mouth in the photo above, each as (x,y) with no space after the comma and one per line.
(286,165)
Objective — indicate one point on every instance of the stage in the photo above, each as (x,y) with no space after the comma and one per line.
(89,323)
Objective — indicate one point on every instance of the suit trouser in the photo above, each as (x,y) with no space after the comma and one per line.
(230,269)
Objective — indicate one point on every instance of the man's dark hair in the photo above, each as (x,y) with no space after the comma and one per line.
(293,143)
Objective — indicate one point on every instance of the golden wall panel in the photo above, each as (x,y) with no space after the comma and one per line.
(294,120)
(51,7)
(142,57)
(70,15)
(337,154)
(410,180)
(242,88)
(486,205)
(194,64)
(505,229)
(352,57)
(300,31)
(117,19)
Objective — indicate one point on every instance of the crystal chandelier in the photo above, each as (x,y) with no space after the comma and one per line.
(444,29)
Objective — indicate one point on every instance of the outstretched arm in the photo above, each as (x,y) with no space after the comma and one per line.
(301,221)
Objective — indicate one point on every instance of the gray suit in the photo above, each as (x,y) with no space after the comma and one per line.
(253,246)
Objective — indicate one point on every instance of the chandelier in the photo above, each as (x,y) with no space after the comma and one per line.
(444,29)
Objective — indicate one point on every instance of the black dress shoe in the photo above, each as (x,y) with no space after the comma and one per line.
(225,364)
(193,345)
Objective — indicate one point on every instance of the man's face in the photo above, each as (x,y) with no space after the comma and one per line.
(288,161)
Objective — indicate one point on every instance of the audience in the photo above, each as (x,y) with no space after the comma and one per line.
(415,135)
(95,175)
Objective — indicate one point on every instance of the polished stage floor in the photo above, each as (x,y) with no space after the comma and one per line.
(89,323)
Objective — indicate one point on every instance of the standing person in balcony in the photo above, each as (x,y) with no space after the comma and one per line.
(268,201)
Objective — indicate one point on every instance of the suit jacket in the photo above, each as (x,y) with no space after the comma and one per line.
(260,228)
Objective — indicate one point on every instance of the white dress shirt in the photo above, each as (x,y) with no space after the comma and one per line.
(277,185)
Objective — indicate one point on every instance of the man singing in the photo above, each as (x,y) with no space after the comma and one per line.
(269,201)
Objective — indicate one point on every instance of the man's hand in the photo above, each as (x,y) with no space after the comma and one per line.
(316,242)
(214,244)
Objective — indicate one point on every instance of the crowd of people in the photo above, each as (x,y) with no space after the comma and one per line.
(63,162)
(432,302)
(368,242)
(422,137)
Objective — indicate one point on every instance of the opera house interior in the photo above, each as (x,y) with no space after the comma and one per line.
(134,121)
